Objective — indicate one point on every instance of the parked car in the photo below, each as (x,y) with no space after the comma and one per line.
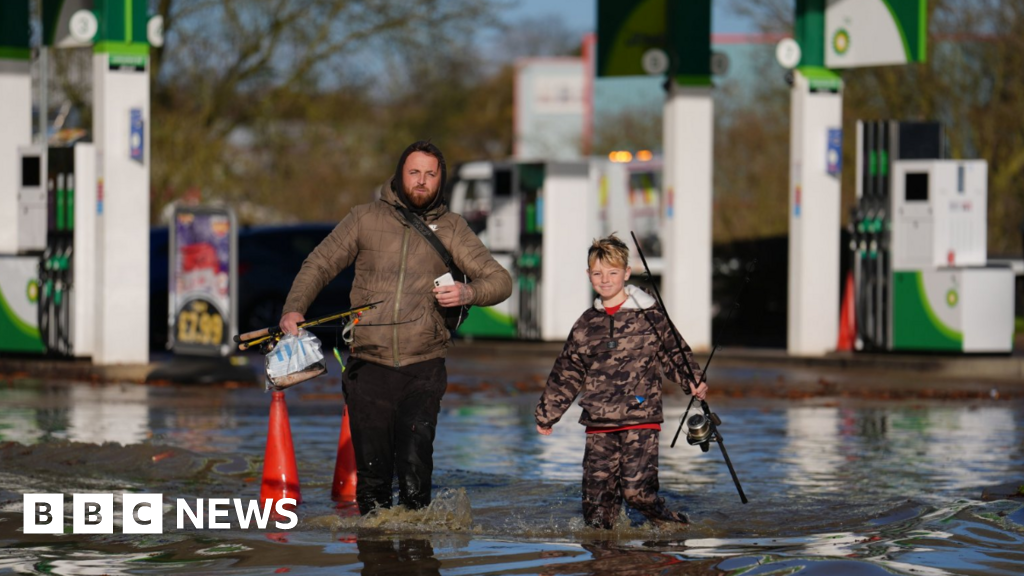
(269,257)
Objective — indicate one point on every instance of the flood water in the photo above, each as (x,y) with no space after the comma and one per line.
(837,483)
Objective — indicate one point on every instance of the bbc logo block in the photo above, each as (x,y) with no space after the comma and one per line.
(93,513)
(44,514)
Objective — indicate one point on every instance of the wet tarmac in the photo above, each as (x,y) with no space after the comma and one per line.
(846,472)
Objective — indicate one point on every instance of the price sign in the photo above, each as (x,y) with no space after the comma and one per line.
(203,281)
(199,322)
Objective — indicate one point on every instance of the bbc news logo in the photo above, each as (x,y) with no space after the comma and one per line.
(144,513)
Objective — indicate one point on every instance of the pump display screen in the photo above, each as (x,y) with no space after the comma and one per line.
(916,187)
(502,182)
(31,171)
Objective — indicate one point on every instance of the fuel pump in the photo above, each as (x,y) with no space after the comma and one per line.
(922,280)
(48,285)
(66,294)
(879,144)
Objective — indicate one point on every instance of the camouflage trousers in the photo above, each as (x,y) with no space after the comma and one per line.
(621,466)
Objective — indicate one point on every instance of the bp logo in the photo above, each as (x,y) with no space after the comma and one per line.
(32,291)
(841,41)
(952,298)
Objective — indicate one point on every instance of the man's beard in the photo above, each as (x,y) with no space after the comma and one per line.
(420,197)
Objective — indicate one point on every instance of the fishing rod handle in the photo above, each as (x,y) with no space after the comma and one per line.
(250,335)
(250,343)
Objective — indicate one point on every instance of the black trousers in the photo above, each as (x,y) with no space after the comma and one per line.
(393,415)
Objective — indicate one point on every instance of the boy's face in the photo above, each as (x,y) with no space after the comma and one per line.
(607,281)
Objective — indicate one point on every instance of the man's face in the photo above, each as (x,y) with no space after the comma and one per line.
(421,178)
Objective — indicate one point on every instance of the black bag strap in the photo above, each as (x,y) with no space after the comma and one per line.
(420,226)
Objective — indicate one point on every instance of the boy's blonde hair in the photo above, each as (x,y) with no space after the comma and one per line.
(610,250)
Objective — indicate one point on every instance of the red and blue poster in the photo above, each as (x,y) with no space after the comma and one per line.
(202,280)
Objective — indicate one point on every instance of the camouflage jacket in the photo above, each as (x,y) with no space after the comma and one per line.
(615,365)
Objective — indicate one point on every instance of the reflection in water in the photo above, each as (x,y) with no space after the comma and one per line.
(967,441)
(610,558)
(108,414)
(80,412)
(828,544)
(561,453)
(495,431)
(62,562)
(812,446)
(29,415)
(398,557)
(200,431)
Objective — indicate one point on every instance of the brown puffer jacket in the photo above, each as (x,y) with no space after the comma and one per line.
(615,365)
(396,265)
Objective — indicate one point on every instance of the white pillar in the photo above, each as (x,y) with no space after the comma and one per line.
(122,213)
(689,152)
(83,315)
(814,220)
(617,210)
(16,120)
(570,223)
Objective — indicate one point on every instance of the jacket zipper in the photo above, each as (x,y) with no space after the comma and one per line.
(398,298)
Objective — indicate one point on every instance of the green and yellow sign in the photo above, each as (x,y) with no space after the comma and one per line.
(120,28)
(859,33)
(655,37)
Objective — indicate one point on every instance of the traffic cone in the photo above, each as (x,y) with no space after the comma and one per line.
(343,488)
(280,475)
(847,321)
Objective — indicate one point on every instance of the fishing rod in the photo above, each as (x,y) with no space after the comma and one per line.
(250,339)
(728,326)
(702,427)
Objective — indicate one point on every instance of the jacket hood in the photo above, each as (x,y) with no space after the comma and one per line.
(636,299)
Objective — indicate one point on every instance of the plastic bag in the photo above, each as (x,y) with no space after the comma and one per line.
(293,360)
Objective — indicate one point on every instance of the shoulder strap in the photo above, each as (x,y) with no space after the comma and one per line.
(420,226)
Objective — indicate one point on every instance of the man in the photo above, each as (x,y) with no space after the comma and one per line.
(393,386)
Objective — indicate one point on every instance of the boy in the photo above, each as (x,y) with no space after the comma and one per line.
(614,359)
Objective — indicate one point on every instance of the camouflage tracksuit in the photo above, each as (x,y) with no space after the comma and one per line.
(615,364)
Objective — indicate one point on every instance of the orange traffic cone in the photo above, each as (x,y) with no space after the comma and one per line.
(280,475)
(847,321)
(343,489)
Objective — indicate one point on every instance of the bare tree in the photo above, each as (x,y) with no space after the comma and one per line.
(972,81)
(291,102)
(630,129)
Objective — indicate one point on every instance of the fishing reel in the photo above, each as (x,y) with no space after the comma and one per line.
(700,429)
